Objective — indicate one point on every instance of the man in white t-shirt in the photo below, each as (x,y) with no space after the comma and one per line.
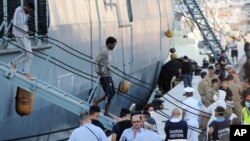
(21,32)
(234,51)
(149,133)
(87,131)
(191,111)
(131,133)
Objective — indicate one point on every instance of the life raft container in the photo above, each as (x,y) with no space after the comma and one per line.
(24,102)
(124,86)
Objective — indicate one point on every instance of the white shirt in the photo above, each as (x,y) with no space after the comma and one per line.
(83,133)
(128,134)
(103,58)
(195,104)
(148,135)
(234,45)
(20,22)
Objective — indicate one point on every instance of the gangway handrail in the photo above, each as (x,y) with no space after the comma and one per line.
(205,29)
(50,93)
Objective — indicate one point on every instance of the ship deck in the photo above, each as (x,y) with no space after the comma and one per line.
(174,97)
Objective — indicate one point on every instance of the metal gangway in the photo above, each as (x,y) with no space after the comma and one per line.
(209,36)
(50,93)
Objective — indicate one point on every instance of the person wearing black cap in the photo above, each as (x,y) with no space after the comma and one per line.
(219,126)
(123,124)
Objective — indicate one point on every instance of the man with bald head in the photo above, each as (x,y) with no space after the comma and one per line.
(176,128)
(87,129)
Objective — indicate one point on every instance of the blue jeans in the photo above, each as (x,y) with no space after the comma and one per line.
(187,80)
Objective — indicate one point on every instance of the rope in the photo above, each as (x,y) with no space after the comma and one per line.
(123,72)
(185,109)
(187,105)
(74,68)
(45,36)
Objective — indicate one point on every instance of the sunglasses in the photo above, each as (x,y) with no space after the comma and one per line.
(137,121)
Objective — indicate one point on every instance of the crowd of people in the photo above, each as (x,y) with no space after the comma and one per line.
(224,100)
(136,126)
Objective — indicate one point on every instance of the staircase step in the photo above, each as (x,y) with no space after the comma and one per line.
(202,23)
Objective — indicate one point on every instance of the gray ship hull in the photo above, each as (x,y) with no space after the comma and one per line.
(142,46)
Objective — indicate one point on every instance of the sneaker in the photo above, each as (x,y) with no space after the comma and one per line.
(12,67)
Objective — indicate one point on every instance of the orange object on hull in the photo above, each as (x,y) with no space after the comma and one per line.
(24,102)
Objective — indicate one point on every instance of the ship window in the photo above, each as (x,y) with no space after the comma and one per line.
(11,7)
(1,17)
(130,14)
(31,21)
(42,23)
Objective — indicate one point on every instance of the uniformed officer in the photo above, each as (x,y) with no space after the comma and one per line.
(176,128)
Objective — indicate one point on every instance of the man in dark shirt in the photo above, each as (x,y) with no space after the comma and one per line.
(186,72)
(176,128)
(222,61)
(219,126)
(246,92)
(247,48)
(168,71)
(123,124)
(224,87)
(94,112)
